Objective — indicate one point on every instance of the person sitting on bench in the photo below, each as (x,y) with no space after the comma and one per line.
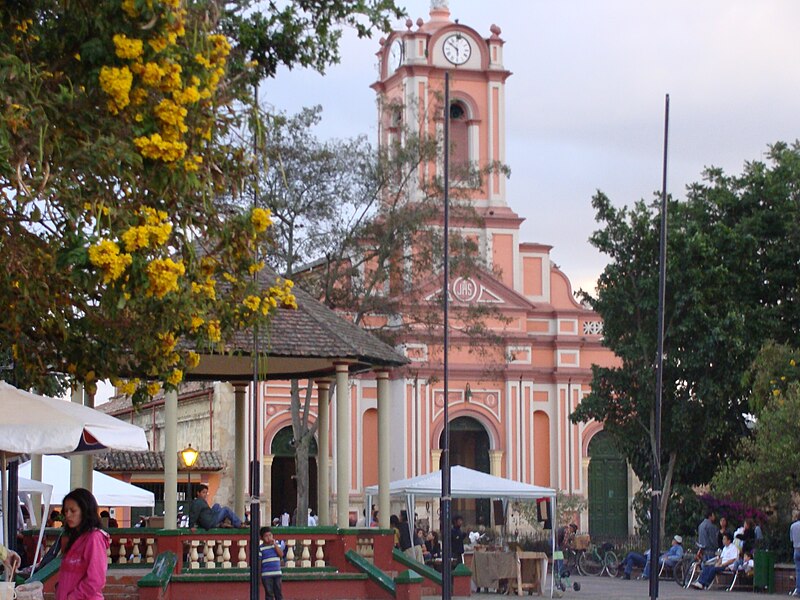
(670,558)
(207,517)
(726,560)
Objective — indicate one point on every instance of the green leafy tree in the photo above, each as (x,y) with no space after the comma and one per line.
(119,129)
(731,284)
(765,473)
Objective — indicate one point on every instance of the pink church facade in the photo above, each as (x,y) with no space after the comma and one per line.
(509,407)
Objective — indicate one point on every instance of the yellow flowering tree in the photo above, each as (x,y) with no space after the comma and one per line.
(117,263)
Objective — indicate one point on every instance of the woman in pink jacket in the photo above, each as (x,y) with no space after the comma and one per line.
(82,575)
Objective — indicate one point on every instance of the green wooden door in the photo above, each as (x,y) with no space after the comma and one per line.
(608,490)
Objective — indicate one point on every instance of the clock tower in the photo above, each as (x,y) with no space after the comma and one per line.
(412,67)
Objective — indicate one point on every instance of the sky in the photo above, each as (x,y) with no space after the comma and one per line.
(585,103)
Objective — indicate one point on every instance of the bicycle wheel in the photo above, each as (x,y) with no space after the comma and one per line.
(590,563)
(612,563)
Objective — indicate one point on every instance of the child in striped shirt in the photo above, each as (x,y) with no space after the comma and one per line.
(271,551)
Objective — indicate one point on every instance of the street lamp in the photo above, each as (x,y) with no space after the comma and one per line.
(189,456)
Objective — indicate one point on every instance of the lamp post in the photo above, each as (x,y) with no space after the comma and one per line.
(189,456)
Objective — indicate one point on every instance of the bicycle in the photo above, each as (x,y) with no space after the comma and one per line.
(598,561)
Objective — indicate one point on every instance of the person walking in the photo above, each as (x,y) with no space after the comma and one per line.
(82,574)
(794,535)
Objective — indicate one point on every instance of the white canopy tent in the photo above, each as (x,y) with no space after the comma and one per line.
(107,490)
(25,489)
(467,483)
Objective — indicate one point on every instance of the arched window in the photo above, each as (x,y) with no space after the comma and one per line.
(459,136)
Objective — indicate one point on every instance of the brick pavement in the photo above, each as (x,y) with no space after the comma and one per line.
(604,588)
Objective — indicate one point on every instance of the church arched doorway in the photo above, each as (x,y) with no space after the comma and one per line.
(284,482)
(469,447)
(608,489)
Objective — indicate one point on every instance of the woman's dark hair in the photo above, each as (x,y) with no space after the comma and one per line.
(394,521)
(90,519)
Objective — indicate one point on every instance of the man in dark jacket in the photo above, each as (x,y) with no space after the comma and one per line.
(457,539)
(707,536)
(207,517)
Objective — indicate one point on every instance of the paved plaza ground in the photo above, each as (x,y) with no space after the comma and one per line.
(605,588)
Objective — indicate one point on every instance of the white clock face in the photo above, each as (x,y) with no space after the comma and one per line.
(457,49)
(396,55)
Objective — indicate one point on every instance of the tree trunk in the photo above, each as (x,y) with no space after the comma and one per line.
(301,459)
(303,434)
(666,491)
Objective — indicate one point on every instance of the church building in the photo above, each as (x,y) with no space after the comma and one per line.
(509,411)
(509,406)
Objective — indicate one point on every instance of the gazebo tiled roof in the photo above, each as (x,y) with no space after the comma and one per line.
(306,342)
(152,461)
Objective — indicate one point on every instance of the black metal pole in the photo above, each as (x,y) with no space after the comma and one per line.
(13,504)
(447,545)
(655,516)
(255,463)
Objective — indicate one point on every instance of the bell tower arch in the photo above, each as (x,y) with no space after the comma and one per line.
(412,67)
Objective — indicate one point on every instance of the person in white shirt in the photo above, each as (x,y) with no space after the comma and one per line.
(794,534)
(726,560)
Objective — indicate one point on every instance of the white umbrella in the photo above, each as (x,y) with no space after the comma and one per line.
(35,424)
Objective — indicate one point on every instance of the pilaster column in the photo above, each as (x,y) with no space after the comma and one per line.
(585,514)
(495,462)
(266,488)
(170,459)
(323,454)
(76,462)
(384,464)
(436,457)
(240,448)
(343,441)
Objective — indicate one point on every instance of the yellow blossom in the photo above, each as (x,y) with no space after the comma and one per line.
(214,331)
(260,218)
(127,48)
(192,360)
(196,323)
(167,341)
(153,388)
(163,274)
(255,267)
(116,82)
(252,302)
(107,257)
(151,74)
(158,148)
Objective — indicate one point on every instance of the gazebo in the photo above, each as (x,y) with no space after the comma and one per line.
(311,342)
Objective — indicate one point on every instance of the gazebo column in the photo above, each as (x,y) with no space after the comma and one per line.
(87,473)
(240,448)
(323,452)
(76,462)
(384,464)
(170,459)
(495,462)
(36,499)
(343,442)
